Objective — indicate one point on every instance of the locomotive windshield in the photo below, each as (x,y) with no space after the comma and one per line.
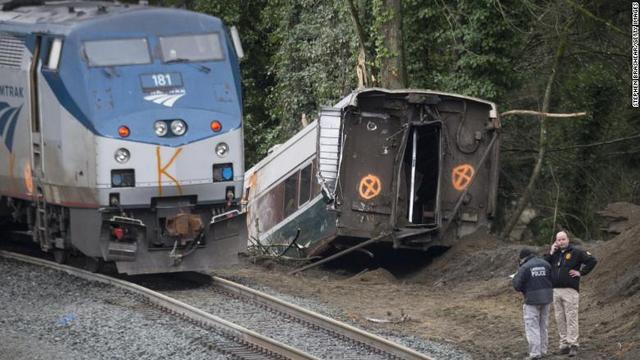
(191,48)
(117,52)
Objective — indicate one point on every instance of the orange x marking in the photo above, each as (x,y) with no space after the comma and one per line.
(369,187)
(461,176)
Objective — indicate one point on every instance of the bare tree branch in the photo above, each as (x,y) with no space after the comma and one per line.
(607,142)
(544,114)
(579,146)
(555,205)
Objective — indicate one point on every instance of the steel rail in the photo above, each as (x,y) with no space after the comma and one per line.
(345,330)
(269,348)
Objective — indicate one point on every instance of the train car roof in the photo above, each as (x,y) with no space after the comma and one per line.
(60,17)
(279,149)
(352,99)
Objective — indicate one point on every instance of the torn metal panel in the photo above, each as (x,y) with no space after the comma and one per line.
(328,148)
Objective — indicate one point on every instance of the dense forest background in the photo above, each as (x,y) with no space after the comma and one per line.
(561,56)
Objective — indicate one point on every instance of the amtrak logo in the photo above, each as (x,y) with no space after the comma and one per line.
(166,98)
(8,122)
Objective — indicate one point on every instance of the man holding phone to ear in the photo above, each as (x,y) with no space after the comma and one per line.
(568,265)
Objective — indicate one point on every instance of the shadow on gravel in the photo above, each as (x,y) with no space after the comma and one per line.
(170,281)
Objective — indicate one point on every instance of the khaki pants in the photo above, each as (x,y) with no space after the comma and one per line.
(536,318)
(565,303)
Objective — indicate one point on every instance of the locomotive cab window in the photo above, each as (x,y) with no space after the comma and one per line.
(117,52)
(202,47)
(55,50)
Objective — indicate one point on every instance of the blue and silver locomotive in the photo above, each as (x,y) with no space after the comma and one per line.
(121,133)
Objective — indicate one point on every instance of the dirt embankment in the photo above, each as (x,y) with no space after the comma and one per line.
(465,295)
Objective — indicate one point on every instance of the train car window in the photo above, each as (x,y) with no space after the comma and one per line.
(54,54)
(186,48)
(117,52)
(270,208)
(315,186)
(291,194)
(305,185)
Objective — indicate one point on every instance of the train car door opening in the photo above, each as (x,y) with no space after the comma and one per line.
(420,173)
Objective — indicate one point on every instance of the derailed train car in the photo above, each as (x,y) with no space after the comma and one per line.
(407,168)
(121,129)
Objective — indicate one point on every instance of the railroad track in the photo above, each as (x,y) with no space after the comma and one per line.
(376,345)
(258,343)
(240,343)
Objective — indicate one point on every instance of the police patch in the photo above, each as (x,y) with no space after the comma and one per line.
(568,256)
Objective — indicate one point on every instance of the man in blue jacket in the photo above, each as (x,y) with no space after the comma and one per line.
(533,279)
(568,265)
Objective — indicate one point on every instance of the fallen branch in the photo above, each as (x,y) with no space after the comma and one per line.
(540,113)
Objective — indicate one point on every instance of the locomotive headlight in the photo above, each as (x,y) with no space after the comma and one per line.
(222,149)
(122,155)
(161,128)
(178,127)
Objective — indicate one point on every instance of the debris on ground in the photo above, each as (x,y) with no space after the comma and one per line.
(464,297)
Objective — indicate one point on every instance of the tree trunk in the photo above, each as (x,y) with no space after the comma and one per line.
(392,70)
(361,66)
(526,195)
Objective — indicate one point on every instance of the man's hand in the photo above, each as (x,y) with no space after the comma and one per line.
(574,273)
(554,248)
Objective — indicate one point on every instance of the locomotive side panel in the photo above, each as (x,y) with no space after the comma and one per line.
(15,128)
(69,161)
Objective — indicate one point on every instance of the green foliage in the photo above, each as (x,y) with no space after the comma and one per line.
(465,47)
(313,59)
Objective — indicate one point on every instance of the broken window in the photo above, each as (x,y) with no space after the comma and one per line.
(305,185)
(291,194)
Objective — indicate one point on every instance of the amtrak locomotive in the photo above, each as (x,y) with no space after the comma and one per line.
(121,133)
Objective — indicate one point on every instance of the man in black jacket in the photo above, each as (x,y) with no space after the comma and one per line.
(568,265)
(533,279)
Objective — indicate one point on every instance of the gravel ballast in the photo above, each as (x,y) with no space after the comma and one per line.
(435,349)
(287,331)
(47,314)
